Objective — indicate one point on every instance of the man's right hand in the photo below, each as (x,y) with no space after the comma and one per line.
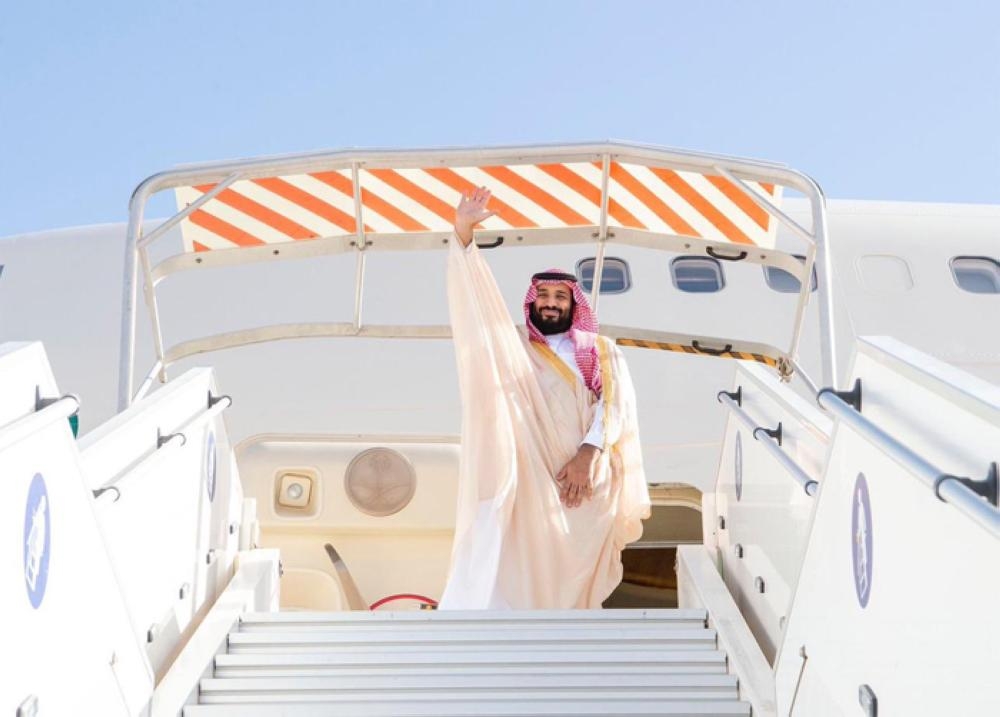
(470,211)
(576,479)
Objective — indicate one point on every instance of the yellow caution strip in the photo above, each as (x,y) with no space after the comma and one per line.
(688,349)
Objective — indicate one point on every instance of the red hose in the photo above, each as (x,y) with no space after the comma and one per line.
(403,596)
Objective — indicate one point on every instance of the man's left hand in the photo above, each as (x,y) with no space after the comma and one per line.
(576,479)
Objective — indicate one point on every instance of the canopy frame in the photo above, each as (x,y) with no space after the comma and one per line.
(225,174)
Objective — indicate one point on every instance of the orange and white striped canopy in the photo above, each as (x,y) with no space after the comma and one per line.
(400,201)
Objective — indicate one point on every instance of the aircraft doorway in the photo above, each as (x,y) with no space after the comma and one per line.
(650,575)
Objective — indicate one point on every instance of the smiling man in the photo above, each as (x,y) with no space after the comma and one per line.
(551,484)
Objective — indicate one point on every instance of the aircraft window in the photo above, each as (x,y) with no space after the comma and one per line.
(977,274)
(885,274)
(615,276)
(781,281)
(697,274)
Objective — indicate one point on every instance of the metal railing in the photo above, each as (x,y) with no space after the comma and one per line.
(771,445)
(47,414)
(166,443)
(140,275)
(949,488)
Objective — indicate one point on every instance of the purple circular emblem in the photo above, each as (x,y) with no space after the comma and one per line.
(738,466)
(37,540)
(861,539)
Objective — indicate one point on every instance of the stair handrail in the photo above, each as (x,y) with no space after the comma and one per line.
(173,440)
(771,445)
(47,411)
(978,503)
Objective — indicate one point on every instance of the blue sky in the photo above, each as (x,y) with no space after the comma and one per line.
(876,100)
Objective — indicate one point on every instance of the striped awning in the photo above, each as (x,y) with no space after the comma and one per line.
(401,201)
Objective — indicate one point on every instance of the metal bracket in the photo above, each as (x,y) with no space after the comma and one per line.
(736,395)
(212,400)
(40,402)
(497,242)
(852,397)
(714,253)
(101,491)
(786,369)
(774,433)
(710,351)
(988,488)
(162,439)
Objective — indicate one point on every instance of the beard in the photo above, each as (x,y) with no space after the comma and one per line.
(552,325)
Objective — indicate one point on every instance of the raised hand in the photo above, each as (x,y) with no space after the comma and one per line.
(470,211)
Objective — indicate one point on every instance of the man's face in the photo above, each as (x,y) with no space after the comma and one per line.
(552,312)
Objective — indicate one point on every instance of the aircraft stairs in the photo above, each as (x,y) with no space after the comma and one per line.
(421,663)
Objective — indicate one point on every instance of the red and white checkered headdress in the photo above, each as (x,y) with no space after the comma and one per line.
(583,330)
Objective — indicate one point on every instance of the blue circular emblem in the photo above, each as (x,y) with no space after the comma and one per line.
(861,539)
(37,540)
(738,466)
(210,465)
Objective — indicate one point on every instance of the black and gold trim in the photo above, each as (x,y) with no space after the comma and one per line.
(690,349)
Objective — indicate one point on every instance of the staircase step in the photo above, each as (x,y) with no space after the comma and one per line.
(475,708)
(471,619)
(469,662)
(451,686)
(445,639)
(453,663)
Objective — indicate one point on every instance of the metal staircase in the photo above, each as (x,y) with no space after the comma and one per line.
(410,664)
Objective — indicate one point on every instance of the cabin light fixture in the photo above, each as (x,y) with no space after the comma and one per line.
(295,490)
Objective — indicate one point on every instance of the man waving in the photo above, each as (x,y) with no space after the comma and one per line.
(551,484)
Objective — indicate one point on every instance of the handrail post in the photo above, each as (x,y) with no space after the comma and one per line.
(360,246)
(602,233)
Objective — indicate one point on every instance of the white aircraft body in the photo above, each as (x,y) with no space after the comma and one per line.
(268,443)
